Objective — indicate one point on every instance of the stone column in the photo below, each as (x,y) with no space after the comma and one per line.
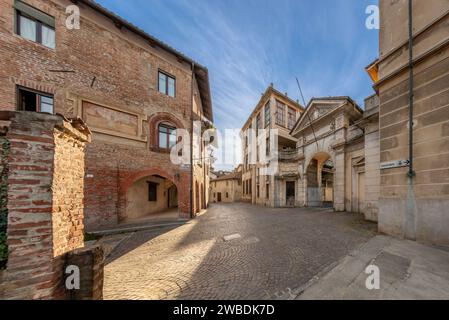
(339,180)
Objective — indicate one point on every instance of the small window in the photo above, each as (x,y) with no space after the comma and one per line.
(29,100)
(152,191)
(167,136)
(291,118)
(167,84)
(267,114)
(267,147)
(267,191)
(35,25)
(258,124)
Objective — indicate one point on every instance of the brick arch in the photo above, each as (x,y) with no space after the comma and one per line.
(153,123)
(127,182)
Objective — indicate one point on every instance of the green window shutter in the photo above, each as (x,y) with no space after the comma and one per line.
(35,13)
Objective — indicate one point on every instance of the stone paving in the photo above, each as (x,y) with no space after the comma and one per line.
(278,250)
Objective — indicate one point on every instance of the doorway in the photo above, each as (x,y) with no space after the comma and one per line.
(361,193)
(290,193)
(219,196)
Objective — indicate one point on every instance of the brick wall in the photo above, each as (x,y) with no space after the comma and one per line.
(90,261)
(111,67)
(45,201)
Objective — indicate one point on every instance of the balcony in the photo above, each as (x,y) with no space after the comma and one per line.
(288,155)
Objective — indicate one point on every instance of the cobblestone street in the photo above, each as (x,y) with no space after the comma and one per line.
(277,249)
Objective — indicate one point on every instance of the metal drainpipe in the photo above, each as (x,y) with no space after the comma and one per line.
(191,143)
(411,173)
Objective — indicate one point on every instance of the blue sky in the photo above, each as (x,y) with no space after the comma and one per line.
(247,44)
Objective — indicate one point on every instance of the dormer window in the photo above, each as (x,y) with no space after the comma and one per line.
(35,25)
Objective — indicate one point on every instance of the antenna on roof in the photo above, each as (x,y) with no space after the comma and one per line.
(308,115)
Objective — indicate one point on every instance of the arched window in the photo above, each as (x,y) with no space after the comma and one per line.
(167,136)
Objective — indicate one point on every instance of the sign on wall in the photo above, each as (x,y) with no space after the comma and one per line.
(394,164)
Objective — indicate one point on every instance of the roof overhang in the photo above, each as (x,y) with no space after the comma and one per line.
(201,72)
(373,71)
(202,78)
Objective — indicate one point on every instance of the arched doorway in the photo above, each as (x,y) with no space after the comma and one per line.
(320,181)
(152,196)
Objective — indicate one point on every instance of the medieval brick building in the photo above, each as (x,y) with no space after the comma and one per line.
(132,90)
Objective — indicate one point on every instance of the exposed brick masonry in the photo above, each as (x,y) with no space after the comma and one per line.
(45,202)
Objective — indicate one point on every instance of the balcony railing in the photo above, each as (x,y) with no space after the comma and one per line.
(288,155)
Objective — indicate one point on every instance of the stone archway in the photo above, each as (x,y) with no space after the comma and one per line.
(319,175)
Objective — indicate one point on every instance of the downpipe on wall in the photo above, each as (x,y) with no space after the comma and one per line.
(410,215)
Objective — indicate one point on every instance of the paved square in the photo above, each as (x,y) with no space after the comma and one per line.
(278,249)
